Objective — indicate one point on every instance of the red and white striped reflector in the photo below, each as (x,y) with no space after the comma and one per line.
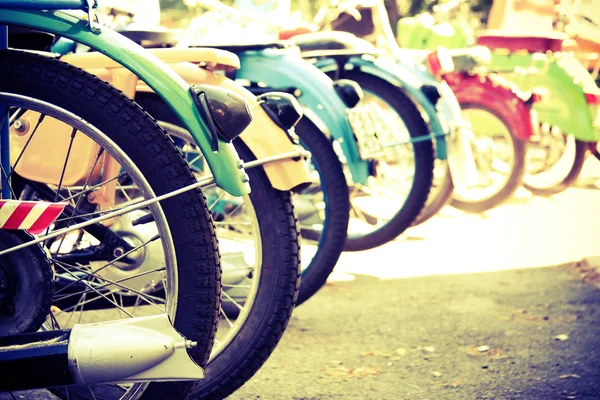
(32,216)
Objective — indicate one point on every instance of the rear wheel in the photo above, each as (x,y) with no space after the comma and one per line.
(401,178)
(554,162)
(78,140)
(441,193)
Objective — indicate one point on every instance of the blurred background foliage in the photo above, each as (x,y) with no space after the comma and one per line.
(177,13)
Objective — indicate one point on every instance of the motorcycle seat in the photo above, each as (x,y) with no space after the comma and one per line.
(154,38)
(515,42)
(240,48)
(322,41)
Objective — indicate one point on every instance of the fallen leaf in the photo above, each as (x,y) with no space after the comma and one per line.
(455,384)
(401,351)
(569,376)
(429,349)
(562,337)
(483,349)
(368,354)
(436,374)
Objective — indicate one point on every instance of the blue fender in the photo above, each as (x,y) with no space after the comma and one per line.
(409,78)
(283,69)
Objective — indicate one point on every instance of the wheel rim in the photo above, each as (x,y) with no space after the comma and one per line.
(120,293)
(493,150)
(373,205)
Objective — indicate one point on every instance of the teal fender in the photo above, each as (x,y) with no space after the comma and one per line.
(406,78)
(224,164)
(278,68)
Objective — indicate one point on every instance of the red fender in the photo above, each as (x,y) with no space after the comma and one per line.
(498,95)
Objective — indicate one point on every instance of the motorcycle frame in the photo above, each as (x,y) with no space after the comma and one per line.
(45,16)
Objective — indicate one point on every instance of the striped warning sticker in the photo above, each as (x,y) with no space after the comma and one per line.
(32,216)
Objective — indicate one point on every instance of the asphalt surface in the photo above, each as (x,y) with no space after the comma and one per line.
(504,305)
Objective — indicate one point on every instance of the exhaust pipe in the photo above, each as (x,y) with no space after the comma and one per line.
(131,350)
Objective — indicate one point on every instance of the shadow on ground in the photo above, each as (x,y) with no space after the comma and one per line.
(472,336)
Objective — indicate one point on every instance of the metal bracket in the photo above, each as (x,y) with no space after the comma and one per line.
(93,19)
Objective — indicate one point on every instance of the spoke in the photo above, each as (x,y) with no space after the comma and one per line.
(100,152)
(123,191)
(89,189)
(233,301)
(40,119)
(90,300)
(92,273)
(226,318)
(232,223)
(62,174)
(97,291)
(237,286)
(202,183)
(91,392)
(117,283)
(219,197)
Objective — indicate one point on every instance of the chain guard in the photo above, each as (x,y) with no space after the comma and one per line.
(28,285)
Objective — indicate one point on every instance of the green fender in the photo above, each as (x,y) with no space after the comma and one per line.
(225,164)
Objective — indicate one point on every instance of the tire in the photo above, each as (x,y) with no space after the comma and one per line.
(515,177)
(332,238)
(581,149)
(147,145)
(276,294)
(438,198)
(424,163)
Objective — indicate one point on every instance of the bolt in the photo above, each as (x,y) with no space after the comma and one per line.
(91,197)
(245,178)
(189,344)
(20,126)
(240,164)
(118,252)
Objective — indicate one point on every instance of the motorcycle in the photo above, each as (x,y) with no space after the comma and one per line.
(492,162)
(398,168)
(106,129)
(568,106)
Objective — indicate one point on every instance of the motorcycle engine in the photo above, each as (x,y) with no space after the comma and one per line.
(26,285)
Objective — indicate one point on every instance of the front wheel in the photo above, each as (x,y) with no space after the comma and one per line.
(554,163)
(499,157)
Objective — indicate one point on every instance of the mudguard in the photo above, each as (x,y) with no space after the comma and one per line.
(497,94)
(224,164)
(284,68)
(263,137)
(401,76)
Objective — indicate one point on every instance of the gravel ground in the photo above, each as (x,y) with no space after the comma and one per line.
(519,334)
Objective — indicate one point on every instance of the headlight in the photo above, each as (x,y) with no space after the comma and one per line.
(283,108)
(349,91)
(226,114)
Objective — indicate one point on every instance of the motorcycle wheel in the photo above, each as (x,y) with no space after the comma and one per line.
(181,227)
(500,159)
(406,195)
(441,193)
(324,211)
(555,162)
(256,309)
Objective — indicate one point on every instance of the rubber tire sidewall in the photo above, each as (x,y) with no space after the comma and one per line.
(337,208)
(276,294)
